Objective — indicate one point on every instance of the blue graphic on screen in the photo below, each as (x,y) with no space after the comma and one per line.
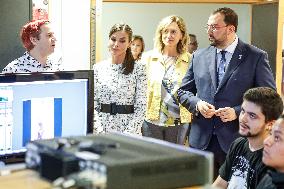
(41,110)
(42,118)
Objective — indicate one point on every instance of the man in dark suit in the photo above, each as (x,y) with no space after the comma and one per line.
(213,87)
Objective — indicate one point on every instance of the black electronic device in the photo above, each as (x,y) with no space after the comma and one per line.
(122,161)
(43,105)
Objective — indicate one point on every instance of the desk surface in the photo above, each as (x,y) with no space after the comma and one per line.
(25,179)
(28,179)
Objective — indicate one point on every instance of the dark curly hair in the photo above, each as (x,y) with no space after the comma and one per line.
(267,99)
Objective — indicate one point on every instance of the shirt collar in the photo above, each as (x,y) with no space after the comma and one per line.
(231,48)
(32,60)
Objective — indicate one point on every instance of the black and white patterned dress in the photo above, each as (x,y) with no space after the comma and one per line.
(27,63)
(112,86)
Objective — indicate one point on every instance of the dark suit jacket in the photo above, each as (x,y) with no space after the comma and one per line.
(248,68)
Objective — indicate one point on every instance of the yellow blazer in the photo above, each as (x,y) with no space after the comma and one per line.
(155,74)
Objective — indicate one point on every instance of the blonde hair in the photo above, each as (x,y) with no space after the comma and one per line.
(182,44)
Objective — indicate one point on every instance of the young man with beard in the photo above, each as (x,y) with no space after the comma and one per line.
(215,82)
(243,167)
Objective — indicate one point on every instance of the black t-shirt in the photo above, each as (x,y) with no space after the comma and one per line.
(242,167)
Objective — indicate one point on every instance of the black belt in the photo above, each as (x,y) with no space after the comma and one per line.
(177,121)
(113,109)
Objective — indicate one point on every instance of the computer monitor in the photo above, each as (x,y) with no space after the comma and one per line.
(43,105)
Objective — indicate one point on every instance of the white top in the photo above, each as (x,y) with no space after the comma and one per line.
(27,63)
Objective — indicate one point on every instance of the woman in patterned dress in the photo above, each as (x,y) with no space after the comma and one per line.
(166,66)
(120,87)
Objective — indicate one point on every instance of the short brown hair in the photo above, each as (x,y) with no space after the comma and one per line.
(230,16)
(138,37)
(31,29)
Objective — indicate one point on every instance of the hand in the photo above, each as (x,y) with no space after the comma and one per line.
(226,114)
(206,109)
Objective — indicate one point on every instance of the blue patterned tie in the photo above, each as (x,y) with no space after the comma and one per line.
(221,68)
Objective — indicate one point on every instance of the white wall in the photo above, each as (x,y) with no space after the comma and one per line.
(144,18)
(72,28)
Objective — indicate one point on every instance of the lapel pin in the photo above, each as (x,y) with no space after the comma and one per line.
(240,56)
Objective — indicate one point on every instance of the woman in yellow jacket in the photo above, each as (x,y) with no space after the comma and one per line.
(166,66)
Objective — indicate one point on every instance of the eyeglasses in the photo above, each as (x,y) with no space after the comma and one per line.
(213,28)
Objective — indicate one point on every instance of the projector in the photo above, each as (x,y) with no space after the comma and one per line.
(123,161)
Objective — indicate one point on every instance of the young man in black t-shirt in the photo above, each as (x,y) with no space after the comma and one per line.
(243,167)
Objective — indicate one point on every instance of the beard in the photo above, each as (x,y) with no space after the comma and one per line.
(217,42)
(213,41)
(249,133)
(245,134)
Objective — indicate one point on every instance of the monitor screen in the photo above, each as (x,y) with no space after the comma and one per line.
(42,106)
